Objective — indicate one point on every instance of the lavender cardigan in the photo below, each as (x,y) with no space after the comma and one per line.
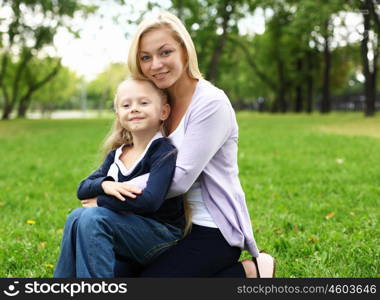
(209,151)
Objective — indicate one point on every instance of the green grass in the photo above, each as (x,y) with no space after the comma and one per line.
(313,195)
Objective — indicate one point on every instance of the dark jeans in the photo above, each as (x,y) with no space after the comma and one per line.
(202,253)
(94,236)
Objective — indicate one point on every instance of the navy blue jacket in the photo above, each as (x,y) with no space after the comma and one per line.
(160,162)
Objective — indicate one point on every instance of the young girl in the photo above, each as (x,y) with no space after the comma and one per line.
(135,228)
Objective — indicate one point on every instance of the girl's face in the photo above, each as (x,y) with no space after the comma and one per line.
(140,107)
(161,58)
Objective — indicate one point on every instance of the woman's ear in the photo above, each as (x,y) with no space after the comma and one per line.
(165,112)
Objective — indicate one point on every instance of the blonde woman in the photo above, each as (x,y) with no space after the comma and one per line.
(202,125)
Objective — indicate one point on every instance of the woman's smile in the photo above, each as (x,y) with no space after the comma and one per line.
(160,76)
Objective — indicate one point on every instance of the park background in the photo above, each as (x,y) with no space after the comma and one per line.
(301,75)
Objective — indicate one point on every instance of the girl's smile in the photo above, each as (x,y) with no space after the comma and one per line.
(140,108)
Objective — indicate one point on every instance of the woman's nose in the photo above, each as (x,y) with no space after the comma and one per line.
(156,63)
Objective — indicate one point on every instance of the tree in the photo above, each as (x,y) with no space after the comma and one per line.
(30,28)
(102,89)
(58,92)
(370,43)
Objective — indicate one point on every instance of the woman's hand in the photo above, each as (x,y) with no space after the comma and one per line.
(120,189)
(89,202)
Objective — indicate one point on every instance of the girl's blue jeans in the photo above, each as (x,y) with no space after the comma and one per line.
(93,237)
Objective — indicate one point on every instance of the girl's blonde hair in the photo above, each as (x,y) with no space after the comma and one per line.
(118,135)
(164,20)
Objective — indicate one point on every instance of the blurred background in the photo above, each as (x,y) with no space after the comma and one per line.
(302,75)
(64,58)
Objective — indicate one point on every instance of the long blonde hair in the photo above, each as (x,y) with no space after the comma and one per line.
(179,32)
(166,20)
(118,136)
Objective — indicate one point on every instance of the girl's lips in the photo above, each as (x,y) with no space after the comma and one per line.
(135,119)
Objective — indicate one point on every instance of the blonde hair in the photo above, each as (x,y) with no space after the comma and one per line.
(118,135)
(164,20)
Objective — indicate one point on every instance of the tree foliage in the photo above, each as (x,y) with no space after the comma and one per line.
(29,28)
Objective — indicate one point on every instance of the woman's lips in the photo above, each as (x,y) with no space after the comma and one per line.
(160,76)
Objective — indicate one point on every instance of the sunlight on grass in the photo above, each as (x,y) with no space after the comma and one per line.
(363,127)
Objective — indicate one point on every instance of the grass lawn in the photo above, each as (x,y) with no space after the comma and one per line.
(312,185)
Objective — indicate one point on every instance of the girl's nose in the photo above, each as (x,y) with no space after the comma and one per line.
(134,107)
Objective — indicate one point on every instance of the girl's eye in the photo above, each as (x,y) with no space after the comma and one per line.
(144,102)
(126,105)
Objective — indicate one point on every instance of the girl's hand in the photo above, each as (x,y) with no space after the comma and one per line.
(89,202)
(118,189)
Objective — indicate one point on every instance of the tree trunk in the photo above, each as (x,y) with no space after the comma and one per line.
(7,110)
(25,100)
(370,77)
(309,82)
(326,101)
(180,10)
(22,109)
(298,107)
(212,71)
(282,105)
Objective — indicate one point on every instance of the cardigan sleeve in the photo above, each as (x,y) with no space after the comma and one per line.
(150,200)
(92,186)
(208,128)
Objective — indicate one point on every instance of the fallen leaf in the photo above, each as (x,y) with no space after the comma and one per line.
(313,239)
(31,222)
(329,216)
(279,231)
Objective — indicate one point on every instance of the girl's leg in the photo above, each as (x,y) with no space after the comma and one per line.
(65,266)
(202,253)
(102,234)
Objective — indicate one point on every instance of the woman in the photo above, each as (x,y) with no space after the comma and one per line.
(203,127)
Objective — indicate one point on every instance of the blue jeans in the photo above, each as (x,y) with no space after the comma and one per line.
(94,236)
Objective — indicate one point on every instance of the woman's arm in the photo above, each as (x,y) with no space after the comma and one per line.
(208,129)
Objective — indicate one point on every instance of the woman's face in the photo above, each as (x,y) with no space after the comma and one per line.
(161,58)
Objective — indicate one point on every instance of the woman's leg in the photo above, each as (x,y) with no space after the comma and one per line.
(65,266)
(127,268)
(102,234)
(202,253)
(233,271)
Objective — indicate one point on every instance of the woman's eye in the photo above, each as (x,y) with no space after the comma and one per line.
(144,58)
(166,52)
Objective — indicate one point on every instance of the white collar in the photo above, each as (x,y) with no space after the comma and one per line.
(119,151)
